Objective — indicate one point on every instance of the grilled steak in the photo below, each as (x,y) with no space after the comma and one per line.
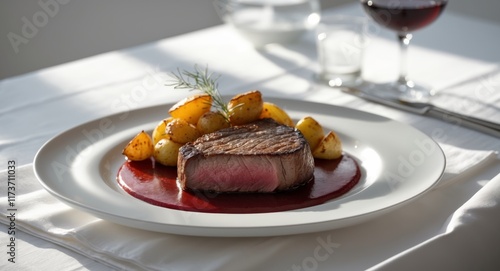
(263,156)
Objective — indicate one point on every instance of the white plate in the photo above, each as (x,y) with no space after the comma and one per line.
(398,162)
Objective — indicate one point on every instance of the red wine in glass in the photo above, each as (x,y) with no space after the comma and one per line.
(405,16)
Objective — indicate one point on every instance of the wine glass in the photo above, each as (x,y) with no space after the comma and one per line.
(404,17)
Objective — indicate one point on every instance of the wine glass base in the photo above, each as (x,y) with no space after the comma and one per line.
(408,91)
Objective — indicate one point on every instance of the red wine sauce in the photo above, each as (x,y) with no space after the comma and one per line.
(157,185)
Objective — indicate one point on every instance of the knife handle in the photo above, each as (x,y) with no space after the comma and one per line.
(481,125)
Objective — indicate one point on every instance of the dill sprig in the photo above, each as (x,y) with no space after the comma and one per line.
(203,81)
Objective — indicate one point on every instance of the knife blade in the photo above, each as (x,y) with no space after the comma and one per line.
(430,110)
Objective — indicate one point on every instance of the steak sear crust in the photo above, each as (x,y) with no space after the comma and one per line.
(263,156)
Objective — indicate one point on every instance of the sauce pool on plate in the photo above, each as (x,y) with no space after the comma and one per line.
(157,185)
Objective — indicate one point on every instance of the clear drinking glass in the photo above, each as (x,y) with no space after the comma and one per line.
(404,17)
(340,46)
(270,21)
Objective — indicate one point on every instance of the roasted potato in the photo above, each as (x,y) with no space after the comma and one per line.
(166,152)
(312,131)
(211,121)
(181,131)
(139,148)
(275,112)
(191,108)
(330,147)
(159,130)
(245,107)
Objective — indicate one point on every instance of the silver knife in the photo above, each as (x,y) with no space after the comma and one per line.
(428,109)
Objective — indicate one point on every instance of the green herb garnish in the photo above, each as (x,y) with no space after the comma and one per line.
(201,80)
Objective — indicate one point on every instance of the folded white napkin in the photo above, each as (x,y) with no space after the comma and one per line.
(460,162)
(466,242)
(478,96)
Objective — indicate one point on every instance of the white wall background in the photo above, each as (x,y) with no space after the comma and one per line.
(65,30)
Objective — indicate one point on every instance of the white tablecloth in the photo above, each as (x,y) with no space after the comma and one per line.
(453,226)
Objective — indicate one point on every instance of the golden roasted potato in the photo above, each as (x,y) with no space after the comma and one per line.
(166,152)
(139,148)
(181,131)
(270,110)
(312,131)
(211,122)
(191,108)
(330,147)
(159,131)
(245,107)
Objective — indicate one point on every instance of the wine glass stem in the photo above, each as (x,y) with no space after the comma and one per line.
(404,43)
